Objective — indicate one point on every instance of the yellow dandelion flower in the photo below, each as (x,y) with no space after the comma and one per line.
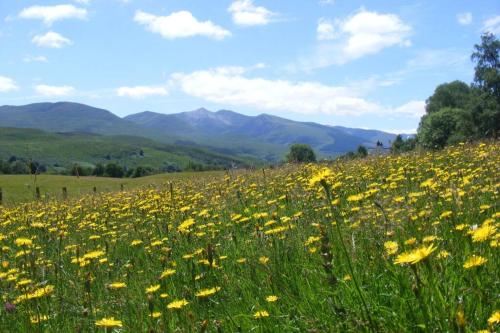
(391,247)
(177,304)
(116,285)
(495,318)
(23,242)
(167,273)
(474,261)
(415,256)
(152,289)
(207,292)
(155,314)
(483,233)
(261,314)
(271,298)
(264,260)
(320,176)
(109,322)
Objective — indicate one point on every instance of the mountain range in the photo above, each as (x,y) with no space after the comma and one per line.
(263,137)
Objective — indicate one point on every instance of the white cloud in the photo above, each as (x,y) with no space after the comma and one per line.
(51,39)
(140,92)
(230,86)
(245,13)
(180,25)
(85,2)
(325,30)
(492,25)
(53,91)
(359,35)
(464,18)
(51,14)
(35,59)
(7,84)
(326,2)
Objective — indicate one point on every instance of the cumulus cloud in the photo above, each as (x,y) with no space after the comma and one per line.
(54,91)
(245,13)
(180,24)
(361,34)
(492,25)
(230,86)
(51,14)
(139,92)
(464,18)
(7,84)
(51,39)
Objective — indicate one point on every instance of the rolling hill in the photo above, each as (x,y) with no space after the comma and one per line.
(56,150)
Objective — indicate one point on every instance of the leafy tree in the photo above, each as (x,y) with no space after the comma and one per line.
(301,153)
(99,170)
(362,151)
(20,168)
(114,170)
(487,70)
(453,94)
(446,126)
(400,145)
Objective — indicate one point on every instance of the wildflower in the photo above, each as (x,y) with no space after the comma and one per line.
(443,254)
(117,285)
(271,298)
(415,256)
(136,242)
(207,292)
(109,322)
(23,242)
(167,273)
(177,304)
(261,314)
(391,247)
(320,176)
(37,293)
(184,226)
(483,233)
(411,241)
(152,289)
(264,260)
(38,319)
(495,318)
(474,261)
(155,314)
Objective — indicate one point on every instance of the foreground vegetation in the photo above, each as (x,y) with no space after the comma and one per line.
(389,243)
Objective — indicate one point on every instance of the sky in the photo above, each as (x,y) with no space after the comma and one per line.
(365,64)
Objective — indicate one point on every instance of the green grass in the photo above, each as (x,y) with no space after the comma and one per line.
(65,149)
(22,188)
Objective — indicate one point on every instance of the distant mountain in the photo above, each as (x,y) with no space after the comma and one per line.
(264,137)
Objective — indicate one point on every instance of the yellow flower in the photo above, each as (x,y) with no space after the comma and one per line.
(184,226)
(207,292)
(271,298)
(483,233)
(38,319)
(167,273)
(443,254)
(117,285)
(415,256)
(391,247)
(495,318)
(263,260)
(411,241)
(261,314)
(177,304)
(155,314)
(136,242)
(23,242)
(320,176)
(109,322)
(94,254)
(152,289)
(474,261)
(37,293)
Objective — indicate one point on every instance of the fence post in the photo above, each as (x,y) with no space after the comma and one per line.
(121,187)
(1,196)
(37,193)
(95,190)
(65,193)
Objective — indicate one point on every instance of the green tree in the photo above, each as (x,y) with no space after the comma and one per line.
(453,94)
(487,70)
(362,151)
(301,153)
(114,170)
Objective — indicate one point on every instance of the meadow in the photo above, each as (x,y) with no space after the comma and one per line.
(401,243)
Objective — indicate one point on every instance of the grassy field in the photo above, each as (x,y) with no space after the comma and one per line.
(22,188)
(385,244)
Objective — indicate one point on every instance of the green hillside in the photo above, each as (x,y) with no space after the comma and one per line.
(57,150)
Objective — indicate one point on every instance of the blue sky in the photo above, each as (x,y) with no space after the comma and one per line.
(368,64)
